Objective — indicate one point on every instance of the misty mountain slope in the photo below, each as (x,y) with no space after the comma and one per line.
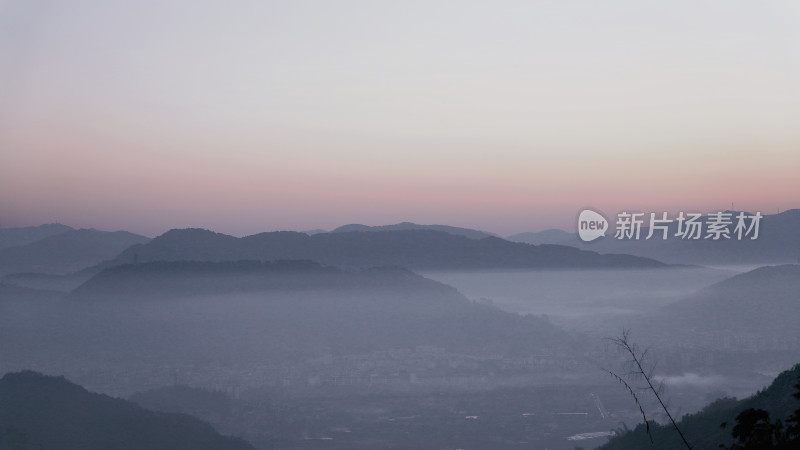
(414,249)
(778,243)
(66,252)
(756,310)
(162,279)
(43,412)
(466,232)
(767,298)
(703,430)
(12,237)
(251,311)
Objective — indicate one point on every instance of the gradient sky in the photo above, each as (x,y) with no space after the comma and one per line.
(506,116)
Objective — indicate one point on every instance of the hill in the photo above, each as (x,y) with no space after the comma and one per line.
(292,309)
(12,237)
(413,249)
(751,312)
(703,429)
(38,412)
(766,297)
(759,309)
(177,279)
(404,226)
(66,252)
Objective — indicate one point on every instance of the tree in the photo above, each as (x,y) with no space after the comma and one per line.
(755,431)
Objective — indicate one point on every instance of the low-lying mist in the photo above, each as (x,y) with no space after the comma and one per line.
(569,296)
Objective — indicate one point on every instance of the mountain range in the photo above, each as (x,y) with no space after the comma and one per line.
(413,249)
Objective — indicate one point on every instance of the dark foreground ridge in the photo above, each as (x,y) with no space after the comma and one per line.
(44,412)
(703,429)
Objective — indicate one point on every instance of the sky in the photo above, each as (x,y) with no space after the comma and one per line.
(505,116)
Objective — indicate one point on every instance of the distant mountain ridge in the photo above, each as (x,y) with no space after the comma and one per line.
(12,237)
(43,412)
(413,249)
(778,243)
(66,252)
(466,232)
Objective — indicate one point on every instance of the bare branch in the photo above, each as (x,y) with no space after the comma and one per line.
(638,371)
(635,399)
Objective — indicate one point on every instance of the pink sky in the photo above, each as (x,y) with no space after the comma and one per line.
(508,119)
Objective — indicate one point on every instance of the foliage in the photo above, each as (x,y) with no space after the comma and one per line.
(755,431)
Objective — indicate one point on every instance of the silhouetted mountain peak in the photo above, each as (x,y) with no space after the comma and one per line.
(178,235)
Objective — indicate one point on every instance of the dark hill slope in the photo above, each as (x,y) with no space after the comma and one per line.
(42,412)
